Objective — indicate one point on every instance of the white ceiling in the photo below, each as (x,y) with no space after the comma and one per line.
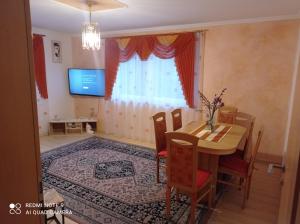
(53,15)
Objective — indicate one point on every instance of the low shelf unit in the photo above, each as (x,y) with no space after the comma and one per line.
(69,126)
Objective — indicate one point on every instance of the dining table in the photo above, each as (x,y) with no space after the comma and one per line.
(224,140)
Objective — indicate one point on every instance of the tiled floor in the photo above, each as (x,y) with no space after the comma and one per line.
(262,207)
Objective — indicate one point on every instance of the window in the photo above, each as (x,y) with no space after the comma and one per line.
(154,81)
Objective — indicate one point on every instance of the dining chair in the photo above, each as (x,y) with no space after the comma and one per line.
(183,174)
(237,167)
(177,119)
(160,128)
(245,120)
(227,114)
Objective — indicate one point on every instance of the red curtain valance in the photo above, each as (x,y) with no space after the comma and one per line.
(183,49)
(39,65)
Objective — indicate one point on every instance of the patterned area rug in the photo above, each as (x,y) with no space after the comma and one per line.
(104,181)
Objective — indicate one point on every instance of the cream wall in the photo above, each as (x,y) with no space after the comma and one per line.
(59,102)
(87,58)
(43,113)
(255,62)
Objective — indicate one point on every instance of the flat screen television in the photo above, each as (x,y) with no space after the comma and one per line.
(86,82)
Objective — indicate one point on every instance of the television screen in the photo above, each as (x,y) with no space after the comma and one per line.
(89,82)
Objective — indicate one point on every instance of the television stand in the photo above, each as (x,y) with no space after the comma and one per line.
(69,126)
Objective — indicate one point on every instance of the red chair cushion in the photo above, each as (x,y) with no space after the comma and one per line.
(234,163)
(202,177)
(163,153)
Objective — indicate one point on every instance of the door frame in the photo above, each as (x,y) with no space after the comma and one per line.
(296,195)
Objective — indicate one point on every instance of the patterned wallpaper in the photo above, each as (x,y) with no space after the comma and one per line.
(43,114)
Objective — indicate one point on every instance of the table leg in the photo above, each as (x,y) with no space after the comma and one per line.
(213,168)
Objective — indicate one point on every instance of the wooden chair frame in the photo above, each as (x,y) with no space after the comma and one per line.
(160,128)
(186,142)
(177,119)
(246,179)
(244,119)
(227,114)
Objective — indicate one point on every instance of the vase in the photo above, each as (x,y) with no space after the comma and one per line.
(211,124)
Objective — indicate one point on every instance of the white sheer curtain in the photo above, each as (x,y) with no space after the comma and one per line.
(154,81)
(143,88)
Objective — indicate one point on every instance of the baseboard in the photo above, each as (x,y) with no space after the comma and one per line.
(269,158)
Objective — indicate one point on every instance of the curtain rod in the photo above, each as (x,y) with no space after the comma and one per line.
(154,33)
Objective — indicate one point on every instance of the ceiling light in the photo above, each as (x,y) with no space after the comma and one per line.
(90,34)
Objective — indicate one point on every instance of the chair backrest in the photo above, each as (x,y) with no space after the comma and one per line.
(160,128)
(227,114)
(255,150)
(182,161)
(177,119)
(247,121)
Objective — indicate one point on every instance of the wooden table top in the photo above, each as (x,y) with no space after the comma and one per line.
(227,145)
